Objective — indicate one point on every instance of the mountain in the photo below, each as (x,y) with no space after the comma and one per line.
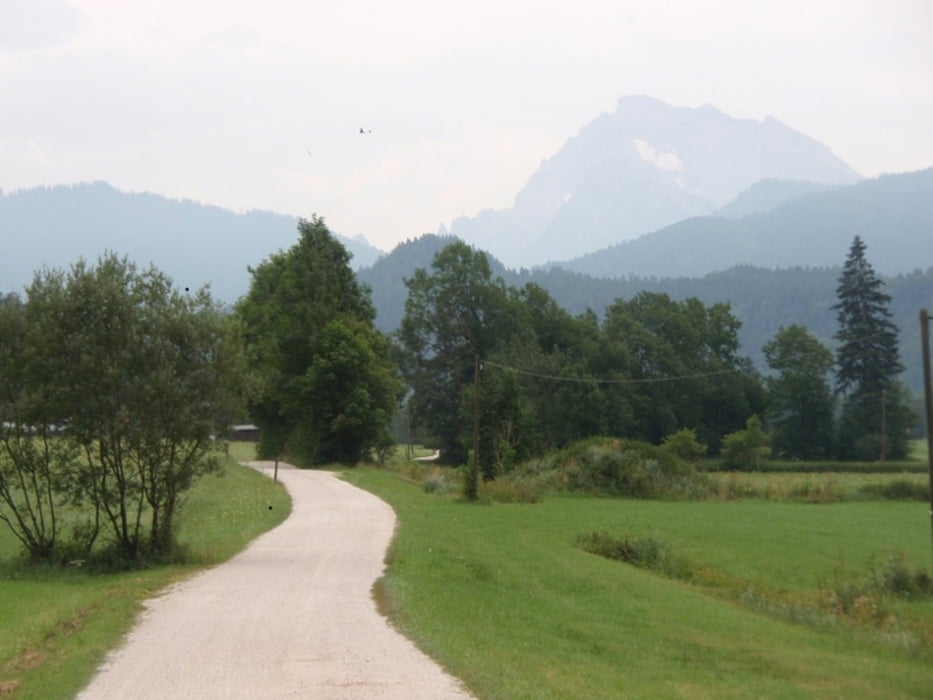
(639,169)
(893,214)
(195,244)
(766,195)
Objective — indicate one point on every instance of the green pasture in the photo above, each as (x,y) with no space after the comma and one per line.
(502,595)
(57,624)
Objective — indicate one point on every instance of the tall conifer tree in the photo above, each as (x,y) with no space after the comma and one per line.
(874,415)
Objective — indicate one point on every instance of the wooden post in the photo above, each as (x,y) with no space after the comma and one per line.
(928,400)
(473,491)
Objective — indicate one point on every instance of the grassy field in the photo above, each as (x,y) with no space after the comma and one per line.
(505,599)
(56,625)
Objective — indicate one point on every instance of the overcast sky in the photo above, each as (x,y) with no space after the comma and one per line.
(220,101)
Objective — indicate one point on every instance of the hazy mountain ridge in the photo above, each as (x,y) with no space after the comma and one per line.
(893,214)
(768,194)
(193,243)
(643,167)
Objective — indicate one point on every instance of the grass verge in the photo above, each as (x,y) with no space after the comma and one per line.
(503,596)
(57,624)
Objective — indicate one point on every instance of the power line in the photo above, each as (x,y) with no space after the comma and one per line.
(645,380)
(588,380)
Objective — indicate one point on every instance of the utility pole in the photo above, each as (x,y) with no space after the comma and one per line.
(473,489)
(928,399)
(884,425)
(409,444)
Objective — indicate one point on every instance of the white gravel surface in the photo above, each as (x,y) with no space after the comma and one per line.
(290,616)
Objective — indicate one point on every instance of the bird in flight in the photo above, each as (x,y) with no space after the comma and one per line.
(364,131)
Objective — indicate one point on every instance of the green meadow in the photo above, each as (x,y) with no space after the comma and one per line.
(505,598)
(768,594)
(58,623)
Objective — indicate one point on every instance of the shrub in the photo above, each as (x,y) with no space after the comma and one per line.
(648,552)
(744,449)
(684,445)
(899,489)
(612,466)
(436,481)
(866,597)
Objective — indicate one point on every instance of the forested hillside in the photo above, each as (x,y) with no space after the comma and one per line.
(195,244)
(893,214)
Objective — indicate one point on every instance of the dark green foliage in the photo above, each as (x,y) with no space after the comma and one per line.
(353,392)
(875,418)
(612,466)
(452,315)
(684,445)
(745,449)
(324,384)
(655,366)
(682,360)
(898,490)
(762,299)
(800,409)
(138,377)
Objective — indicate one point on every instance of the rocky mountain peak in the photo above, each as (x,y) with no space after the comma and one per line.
(645,166)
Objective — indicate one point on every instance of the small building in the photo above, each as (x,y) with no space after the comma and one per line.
(244,432)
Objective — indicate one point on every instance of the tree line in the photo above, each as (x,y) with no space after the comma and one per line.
(650,367)
(114,384)
(646,368)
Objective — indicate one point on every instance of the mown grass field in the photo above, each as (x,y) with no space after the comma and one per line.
(502,595)
(505,598)
(57,624)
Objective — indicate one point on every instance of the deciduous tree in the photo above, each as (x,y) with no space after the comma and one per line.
(324,379)
(453,314)
(136,374)
(801,402)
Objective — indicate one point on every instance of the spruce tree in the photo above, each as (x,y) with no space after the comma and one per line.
(874,414)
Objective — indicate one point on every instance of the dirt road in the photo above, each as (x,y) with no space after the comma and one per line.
(290,616)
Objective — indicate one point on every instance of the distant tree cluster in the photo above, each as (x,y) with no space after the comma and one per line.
(113,385)
(653,366)
(650,367)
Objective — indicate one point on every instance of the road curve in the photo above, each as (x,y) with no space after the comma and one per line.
(291,615)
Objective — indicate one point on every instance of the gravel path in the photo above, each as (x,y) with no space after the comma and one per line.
(291,615)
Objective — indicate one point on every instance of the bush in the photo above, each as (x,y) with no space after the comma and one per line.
(648,552)
(685,446)
(866,597)
(612,466)
(744,449)
(899,489)
(436,481)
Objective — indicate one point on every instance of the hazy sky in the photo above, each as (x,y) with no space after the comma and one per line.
(221,101)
